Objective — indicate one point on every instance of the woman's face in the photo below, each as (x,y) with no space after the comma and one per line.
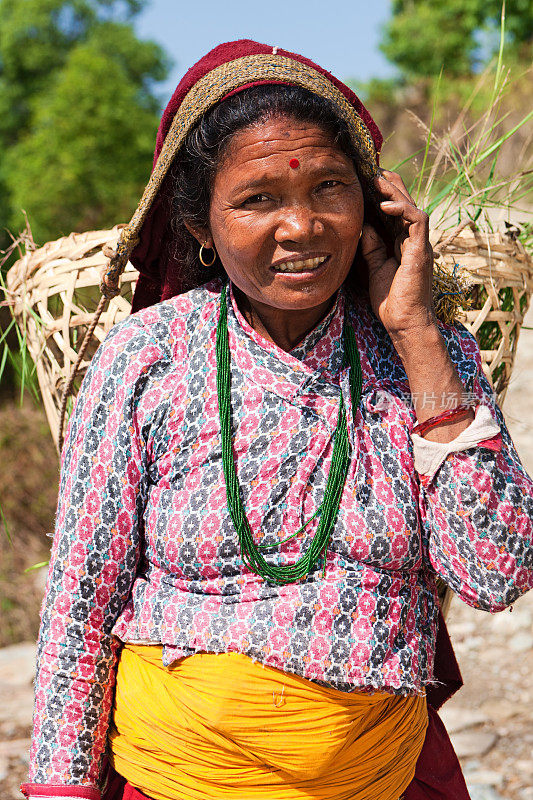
(286,214)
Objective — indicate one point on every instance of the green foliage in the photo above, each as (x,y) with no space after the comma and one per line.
(87,155)
(423,36)
(36,38)
(77,113)
(463,180)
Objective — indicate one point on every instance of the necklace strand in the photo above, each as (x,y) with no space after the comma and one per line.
(251,552)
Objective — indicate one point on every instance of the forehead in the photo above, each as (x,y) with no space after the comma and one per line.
(278,137)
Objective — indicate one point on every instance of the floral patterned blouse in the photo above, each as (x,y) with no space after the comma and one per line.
(145,550)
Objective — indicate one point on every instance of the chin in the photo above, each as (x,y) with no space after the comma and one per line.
(304,296)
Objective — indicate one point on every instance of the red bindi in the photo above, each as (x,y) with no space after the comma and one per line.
(293,163)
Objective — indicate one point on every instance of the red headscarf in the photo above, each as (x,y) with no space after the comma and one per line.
(154,256)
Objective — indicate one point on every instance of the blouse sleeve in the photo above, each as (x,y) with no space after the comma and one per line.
(477,508)
(94,558)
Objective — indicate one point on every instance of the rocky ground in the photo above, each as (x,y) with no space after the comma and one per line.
(490,719)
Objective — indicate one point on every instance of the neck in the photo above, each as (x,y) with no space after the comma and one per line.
(284,328)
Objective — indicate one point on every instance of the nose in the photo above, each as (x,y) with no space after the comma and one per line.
(298,224)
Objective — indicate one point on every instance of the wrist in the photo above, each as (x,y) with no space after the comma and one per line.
(410,342)
(433,380)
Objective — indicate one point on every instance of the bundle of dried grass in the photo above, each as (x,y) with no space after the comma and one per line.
(494,276)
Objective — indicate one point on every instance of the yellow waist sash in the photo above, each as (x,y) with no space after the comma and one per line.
(217,726)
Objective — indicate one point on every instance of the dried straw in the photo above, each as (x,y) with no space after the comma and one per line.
(495,273)
(53,292)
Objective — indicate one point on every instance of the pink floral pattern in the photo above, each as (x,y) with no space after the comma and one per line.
(145,550)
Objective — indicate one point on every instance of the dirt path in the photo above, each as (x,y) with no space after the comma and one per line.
(490,719)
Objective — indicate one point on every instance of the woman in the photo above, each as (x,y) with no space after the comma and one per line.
(252,516)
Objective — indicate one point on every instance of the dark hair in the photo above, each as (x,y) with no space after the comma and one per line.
(195,165)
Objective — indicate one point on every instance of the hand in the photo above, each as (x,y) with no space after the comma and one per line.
(400,286)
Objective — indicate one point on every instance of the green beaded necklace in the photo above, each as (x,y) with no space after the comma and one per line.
(251,553)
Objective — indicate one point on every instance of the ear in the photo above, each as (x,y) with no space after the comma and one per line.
(202,235)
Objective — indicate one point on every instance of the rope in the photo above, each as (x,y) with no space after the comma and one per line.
(67,391)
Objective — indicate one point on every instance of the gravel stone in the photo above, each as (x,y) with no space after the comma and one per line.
(473,743)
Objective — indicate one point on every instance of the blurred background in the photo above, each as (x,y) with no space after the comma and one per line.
(82,85)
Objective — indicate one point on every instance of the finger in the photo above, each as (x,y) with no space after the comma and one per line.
(389,190)
(374,252)
(373,248)
(415,223)
(397,181)
(381,268)
(400,207)
(385,187)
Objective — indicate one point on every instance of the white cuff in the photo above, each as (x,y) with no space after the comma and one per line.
(430,455)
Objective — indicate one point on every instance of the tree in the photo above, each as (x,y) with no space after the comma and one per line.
(78,113)
(424,35)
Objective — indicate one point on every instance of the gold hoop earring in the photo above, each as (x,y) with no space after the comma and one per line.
(201,255)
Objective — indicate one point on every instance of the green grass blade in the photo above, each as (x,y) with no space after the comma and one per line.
(428,139)
(4,360)
(452,185)
(23,351)
(5,333)
(503,138)
(488,184)
(37,566)
(410,157)
(4,523)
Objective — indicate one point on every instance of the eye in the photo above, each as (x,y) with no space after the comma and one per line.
(256,199)
(331,184)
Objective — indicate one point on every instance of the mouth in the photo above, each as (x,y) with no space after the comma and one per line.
(300,265)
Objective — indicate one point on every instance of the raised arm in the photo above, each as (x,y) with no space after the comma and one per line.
(476,498)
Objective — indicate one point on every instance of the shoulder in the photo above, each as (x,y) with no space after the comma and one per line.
(173,323)
(162,331)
